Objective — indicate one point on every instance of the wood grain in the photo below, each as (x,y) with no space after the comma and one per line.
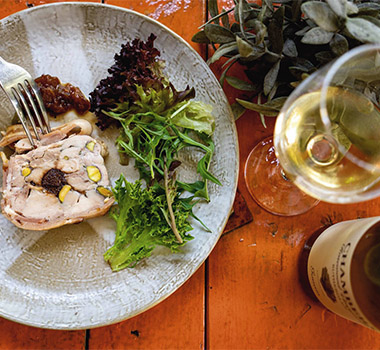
(14,336)
(254,297)
(8,7)
(182,16)
(175,323)
(255,300)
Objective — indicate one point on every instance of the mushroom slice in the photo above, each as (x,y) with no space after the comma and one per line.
(15,135)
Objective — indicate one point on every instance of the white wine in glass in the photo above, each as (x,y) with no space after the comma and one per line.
(327,136)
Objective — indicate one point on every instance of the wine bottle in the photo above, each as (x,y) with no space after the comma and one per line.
(340,267)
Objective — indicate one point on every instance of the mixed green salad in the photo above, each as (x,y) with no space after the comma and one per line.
(156,122)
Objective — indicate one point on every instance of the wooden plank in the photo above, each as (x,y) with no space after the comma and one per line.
(8,7)
(254,297)
(183,17)
(175,323)
(17,336)
(178,321)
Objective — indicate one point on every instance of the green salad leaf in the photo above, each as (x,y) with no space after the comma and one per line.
(194,115)
(157,123)
(142,223)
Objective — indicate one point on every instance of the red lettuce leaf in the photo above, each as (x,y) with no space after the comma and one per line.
(137,64)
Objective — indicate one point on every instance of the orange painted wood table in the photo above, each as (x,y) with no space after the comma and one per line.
(247,294)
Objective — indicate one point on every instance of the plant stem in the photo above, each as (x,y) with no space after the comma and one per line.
(170,208)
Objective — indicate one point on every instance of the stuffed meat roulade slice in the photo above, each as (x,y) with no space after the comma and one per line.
(62,181)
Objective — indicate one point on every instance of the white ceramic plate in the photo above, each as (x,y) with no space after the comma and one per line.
(58,279)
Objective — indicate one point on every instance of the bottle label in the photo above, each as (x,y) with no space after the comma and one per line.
(329,268)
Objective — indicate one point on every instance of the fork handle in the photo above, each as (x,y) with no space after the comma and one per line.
(4,69)
(2,61)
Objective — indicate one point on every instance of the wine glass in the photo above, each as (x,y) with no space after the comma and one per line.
(326,143)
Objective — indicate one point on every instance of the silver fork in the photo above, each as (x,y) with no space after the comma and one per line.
(26,99)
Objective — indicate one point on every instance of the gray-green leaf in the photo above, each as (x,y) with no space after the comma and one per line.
(216,18)
(219,34)
(339,7)
(242,11)
(235,27)
(225,20)
(213,8)
(249,51)
(241,84)
(269,4)
(200,38)
(363,30)
(271,77)
(321,14)
(371,19)
(260,30)
(245,49)
(290,48)
(268,111)
(276,103)
(223,50)
(317,36)
(351,8)
(368,8)
(275,30)
(297,71)
(226,67)
(302,31)
(339,44)
(237,110)
(296,10)
(324,56)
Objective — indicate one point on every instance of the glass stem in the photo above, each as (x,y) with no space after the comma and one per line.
(284,175)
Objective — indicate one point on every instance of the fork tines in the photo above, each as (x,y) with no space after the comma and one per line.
(29,108)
